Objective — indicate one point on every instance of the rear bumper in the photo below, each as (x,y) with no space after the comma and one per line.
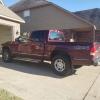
(82,62)
(91,61)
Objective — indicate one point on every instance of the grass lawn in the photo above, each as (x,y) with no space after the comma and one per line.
(4,95)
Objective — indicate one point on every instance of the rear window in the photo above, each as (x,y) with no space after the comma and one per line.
(56,36)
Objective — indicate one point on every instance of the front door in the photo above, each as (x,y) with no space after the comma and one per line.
(34,49)
(19,46)
(34,46)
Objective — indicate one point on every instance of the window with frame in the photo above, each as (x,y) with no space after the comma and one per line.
(56,36)
(38,36)
(26,13)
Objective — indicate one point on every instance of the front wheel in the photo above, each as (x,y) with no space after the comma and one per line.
(61,65)
(6,56)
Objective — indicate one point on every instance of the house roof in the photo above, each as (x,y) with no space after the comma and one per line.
(74,15)
(91,15)
(6,13)
(28,4)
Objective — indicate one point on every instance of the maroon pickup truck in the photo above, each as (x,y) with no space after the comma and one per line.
(50,45)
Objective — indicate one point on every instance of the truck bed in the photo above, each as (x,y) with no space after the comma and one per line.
(80,53)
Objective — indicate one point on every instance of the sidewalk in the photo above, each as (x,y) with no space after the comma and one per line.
(94,93)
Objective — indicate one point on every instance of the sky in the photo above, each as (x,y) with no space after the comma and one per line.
(71,5)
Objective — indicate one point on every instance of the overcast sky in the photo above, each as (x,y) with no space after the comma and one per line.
(72,5)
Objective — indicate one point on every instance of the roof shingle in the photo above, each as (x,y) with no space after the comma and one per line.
(8,14)
(28,4)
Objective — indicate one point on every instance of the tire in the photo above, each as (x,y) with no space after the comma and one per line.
(6,56)
(61,65)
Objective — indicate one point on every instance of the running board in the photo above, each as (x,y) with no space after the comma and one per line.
(28,59)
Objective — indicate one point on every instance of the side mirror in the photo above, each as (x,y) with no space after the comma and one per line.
(19,39)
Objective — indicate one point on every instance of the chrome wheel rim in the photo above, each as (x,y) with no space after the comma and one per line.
(59,65)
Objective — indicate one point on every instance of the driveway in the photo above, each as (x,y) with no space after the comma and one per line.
(37,82)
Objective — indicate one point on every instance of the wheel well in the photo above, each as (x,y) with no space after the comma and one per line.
(60,52)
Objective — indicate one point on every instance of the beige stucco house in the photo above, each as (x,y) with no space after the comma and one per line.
(9,24)
(42,14)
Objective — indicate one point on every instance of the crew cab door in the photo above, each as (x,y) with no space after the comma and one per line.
(14,47)
(36,45)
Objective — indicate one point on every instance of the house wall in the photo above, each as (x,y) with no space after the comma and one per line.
(50,17)
(82,36)
(5,34)
(15,27)
(8,30)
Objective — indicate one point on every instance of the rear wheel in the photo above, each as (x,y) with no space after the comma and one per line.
(61,65)
(6,56)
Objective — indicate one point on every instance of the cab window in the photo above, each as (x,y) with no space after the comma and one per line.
(38,36)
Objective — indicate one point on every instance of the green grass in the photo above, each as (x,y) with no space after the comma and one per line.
(4,95)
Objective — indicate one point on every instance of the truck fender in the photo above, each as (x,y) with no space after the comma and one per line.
(60,52)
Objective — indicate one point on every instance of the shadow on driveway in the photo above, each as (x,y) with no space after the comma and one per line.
(43,69)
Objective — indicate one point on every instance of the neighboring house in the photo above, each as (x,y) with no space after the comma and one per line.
(9,24)
(42,15)
(91,15)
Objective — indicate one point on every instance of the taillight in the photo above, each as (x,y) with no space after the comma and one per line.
(93,50)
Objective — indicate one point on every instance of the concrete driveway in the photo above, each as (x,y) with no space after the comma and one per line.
(37,82)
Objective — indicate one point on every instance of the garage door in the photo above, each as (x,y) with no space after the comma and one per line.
(5,34)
